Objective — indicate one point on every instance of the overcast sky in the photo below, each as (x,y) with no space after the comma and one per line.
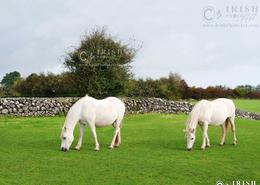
(35,35)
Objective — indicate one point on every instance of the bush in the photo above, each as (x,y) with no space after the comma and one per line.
(100,65)
(49,85)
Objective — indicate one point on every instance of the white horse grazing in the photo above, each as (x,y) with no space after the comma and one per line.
(93,112)
(217,112)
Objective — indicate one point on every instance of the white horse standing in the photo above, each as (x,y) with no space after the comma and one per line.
(217,112)
(93,112)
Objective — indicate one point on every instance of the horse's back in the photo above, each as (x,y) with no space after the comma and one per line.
(225,104)
(118,104)
(202,110)
(222,108)
(216,111)
(102,111)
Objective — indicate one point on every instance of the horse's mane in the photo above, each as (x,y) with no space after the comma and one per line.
(193,116)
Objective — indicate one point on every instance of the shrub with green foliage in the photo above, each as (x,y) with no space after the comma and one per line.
(100,65)
(171,87)
(50,85)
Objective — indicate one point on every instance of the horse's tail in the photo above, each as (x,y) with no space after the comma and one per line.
(227,124)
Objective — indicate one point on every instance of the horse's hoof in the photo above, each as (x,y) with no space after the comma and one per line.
(202,148)
(222,144)
(96,149)
(111,146)
(208,146)
(77,148)
(234,143)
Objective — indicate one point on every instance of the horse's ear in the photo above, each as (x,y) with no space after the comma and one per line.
(184,130)
(64,128)
(192,130)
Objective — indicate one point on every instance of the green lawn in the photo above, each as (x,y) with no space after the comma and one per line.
(249,105)
(252,105)
(152,152)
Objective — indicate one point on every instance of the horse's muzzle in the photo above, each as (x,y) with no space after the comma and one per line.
(64,149)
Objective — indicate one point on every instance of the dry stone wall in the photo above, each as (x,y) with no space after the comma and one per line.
(60,106)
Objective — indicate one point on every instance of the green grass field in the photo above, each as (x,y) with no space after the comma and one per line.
(249,105)
(152,152)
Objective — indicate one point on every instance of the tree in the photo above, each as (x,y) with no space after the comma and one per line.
(9,78)
(100,65)
(242,90)
(185,90)
(171,86)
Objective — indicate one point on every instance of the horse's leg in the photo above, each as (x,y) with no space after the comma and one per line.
(118,139)
(204,135)
(233,128)
(224,133)
(81,133)
(207,141)
(93,131)
(207,137)
(116,132)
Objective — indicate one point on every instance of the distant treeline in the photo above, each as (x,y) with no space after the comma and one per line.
(101,66)
(172,87)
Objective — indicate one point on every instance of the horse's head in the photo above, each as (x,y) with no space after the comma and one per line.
(190,136)
(66,139)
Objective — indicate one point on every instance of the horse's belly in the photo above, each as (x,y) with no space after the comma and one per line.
(103,123)
(218,119)
(105,119)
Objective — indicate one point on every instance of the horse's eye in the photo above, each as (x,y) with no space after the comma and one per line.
(64,138)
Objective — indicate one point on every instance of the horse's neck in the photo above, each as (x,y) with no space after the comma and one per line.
(71,123)
(193,118)
(74,115)
(193,122)
(71,120)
